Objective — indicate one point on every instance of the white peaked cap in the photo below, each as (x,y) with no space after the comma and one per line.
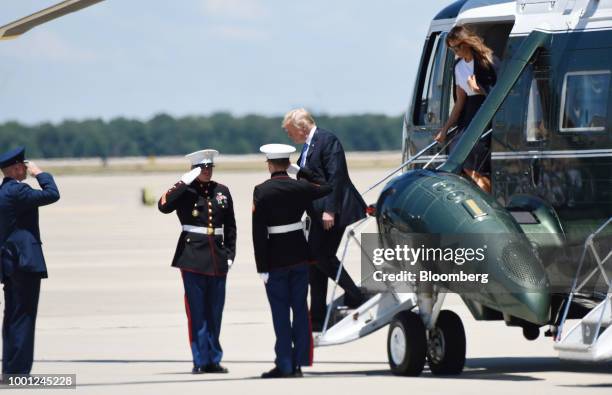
(277,151)
(202,157)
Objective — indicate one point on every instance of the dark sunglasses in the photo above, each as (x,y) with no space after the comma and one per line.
(456,46)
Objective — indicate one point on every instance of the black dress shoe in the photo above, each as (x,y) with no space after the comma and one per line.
(354,301)
(297,372)
(215,368)
(276,373)
(197,370)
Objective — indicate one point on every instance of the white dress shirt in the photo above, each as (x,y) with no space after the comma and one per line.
(307,142)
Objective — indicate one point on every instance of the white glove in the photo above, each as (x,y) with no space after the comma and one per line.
(229,264)
(293,169)
(188,177)
(264,277)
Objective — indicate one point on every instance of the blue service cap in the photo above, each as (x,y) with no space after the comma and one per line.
(11,157)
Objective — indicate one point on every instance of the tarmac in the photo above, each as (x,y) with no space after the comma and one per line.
(112,311)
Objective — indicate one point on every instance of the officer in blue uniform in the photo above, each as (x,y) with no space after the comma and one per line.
(22,264)
(205,251)
(282,256)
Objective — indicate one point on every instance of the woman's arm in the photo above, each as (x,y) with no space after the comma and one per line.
(454,116)
(484,78)
(474,85)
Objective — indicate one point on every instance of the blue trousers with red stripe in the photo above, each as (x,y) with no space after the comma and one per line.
(287,290)
(204,301)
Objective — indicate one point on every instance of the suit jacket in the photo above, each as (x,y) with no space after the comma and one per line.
(326,159)
(281,200)
(207,205)
(20,243)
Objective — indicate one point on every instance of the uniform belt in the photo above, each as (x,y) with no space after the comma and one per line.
(202,230)
(273,230)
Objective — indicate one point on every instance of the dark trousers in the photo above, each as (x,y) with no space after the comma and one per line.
(21,291)
(204,301)
(325,244)
(287,291)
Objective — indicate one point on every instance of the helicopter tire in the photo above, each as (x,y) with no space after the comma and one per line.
(446,345)
(406,344)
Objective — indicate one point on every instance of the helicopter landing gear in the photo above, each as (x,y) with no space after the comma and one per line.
(531,332)
(446,345)
(409,344)
(406,344)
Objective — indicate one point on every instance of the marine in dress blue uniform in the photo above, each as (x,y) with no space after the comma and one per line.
(205,251)
(22,264)
(282,256)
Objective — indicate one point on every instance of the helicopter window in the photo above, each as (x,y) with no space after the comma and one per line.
(431,94)
(536,125)
(584,101)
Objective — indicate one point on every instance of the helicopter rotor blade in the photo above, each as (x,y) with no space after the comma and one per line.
(20,26)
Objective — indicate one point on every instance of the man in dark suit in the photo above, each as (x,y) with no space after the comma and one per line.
(205,251)
(281,255)
(22,264)
(323,154)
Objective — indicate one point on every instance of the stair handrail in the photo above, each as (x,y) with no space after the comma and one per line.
(411,159)
(588,246)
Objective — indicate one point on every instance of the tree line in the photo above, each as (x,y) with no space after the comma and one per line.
(165,135)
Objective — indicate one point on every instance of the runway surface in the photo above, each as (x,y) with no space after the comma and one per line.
(112,312)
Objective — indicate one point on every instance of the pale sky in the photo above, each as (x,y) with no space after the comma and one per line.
(136,58)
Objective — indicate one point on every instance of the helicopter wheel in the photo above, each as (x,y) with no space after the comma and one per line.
(406,344)
(446,347)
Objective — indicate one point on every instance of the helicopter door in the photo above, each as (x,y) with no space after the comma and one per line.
(430,106)
(521,130)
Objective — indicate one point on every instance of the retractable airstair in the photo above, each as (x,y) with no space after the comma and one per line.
(591,338)
(344,325)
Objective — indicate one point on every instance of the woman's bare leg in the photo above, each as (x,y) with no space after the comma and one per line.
(483,182)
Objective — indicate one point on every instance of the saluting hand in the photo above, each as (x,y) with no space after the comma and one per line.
(33,169)
(328,220)
(191,175)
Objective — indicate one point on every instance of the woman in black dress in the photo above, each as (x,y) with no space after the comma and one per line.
(474,77)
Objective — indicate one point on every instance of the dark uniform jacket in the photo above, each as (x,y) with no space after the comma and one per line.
(282,200)
(325,158)
(20,244)
(207,205)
